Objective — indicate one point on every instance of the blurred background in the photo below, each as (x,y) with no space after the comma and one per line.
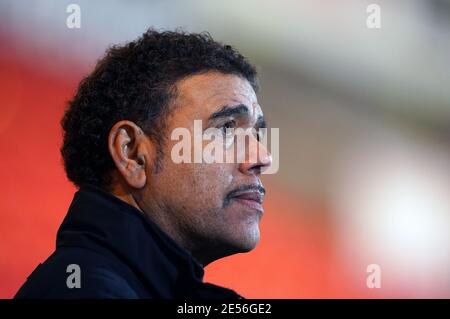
(364,119)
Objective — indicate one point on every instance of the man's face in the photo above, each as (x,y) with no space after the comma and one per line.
(213,209)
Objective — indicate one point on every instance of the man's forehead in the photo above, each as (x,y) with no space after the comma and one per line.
(212,90)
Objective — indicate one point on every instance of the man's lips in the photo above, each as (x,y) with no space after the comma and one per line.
(252,199)
(250,195)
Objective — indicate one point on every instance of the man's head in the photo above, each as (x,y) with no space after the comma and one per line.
(117,136)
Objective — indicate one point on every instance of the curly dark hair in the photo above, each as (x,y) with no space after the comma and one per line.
(137,82)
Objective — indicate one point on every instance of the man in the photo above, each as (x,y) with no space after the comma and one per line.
(141,224)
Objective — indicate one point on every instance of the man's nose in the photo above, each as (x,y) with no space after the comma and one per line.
(257,157)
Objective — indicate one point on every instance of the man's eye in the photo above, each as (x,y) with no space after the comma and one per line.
(260,133)
(228,127)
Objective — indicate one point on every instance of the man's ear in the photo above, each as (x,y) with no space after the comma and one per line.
(131,152)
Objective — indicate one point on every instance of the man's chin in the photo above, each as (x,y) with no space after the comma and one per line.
(248,240)
(235,244)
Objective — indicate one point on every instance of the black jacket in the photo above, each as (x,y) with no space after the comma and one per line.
(120,254)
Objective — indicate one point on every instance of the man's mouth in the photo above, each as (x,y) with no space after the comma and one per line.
(251,196)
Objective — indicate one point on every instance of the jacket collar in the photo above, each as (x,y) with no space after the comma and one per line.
(99,220)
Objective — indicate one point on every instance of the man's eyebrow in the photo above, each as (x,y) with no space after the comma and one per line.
(239,110)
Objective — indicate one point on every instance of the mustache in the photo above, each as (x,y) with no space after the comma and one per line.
(244,188)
